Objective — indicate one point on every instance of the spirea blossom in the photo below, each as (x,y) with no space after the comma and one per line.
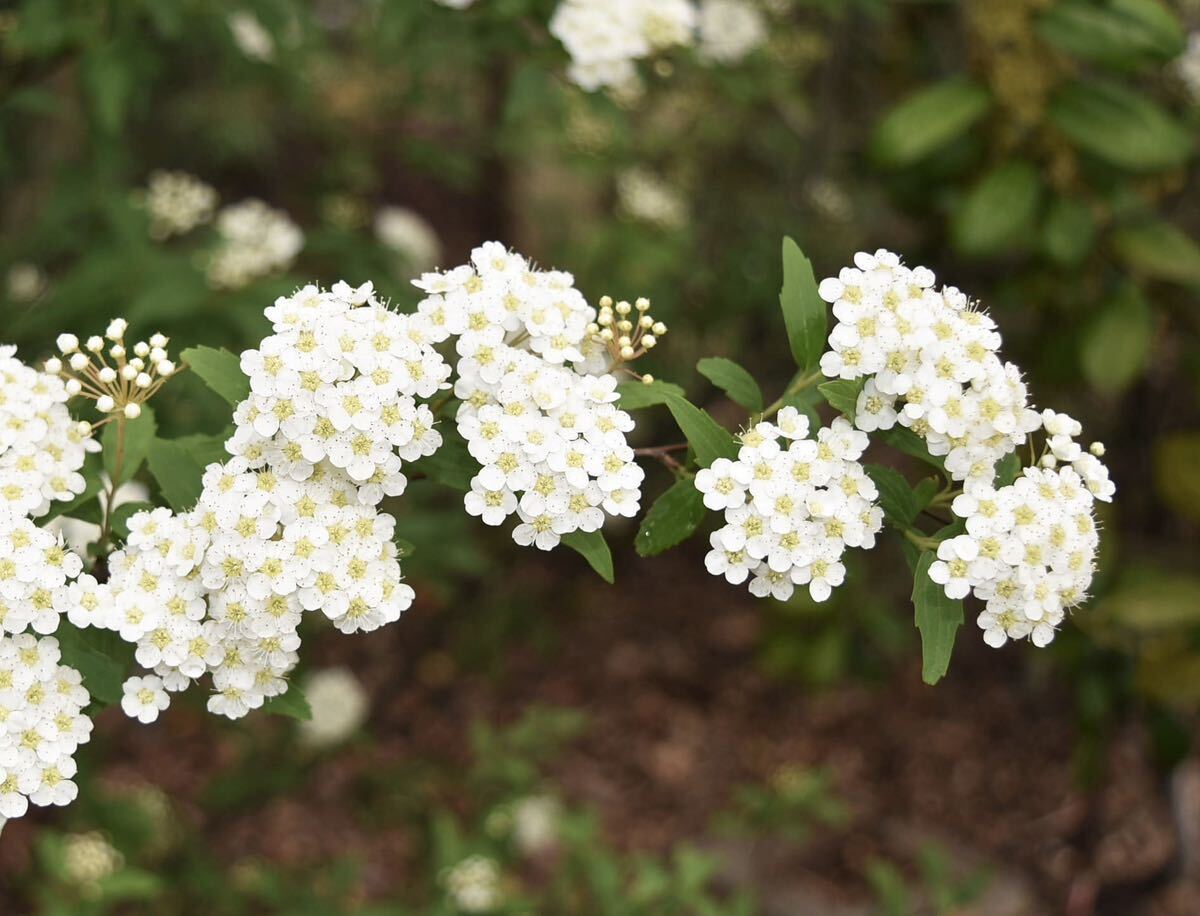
(647,198)
(730,29)
(339,705)
(606,37)
(792,506)
(930,362)
(409,235)
(176,203)
(473,885)
(538,409)
(254,240)
(1187,66)
(41,448)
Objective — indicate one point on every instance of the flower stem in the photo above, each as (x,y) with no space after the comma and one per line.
(800,383)
(921,541)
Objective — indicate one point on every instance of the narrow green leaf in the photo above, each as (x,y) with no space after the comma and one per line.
(220,370)
(1120,126)
(805,313)
(707,437)
(593,548)
(998,213)
(293,704)
(1068,231)
(124,456)
(178,471)
(1116,345)
(927,120)
(1007,469)
(733,380)
(842,395)
(1124,33)
(1160,251)
(937,618)
(672,519)
(896,497)
(103,674)
(636,395)
(903,439)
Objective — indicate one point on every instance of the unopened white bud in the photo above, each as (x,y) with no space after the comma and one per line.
(624,341)
(107,375)
(158,340)
(141,348)
(67,343)
(1048,462)
(645,322)
(133,411)
(129,372)
(626,352)
(164,367)
(138,363)
(73,386)
(625,326)
(116,329)
(623,307)
(649,341)
(79,361)
(1097,449)
(647,379)
(84,428)
(53,365)
(95,343)
(606,302)
(659,329)
(606,334)
(143,380)
(643,304)
(605,318)
(105,403)
(157,355)
(117,352)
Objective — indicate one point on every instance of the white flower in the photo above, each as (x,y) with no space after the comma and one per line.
(177,203)
(250,36)
(1187,66)
(409,235)
(730,29)
(144,698)
(647,198)
(606,37)
(724,483)
(473,884)
(535,823)
(254,240)
(339,706)
(25,282)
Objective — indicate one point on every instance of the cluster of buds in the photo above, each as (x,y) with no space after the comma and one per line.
(124,381)
(626,335)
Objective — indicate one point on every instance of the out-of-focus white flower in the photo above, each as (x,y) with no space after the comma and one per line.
(410,235)
(255,240)
(606,37)
(339,706)
(474,884)
(177,203)
(647,198)
(535,823)
(251,36)
(455,4)
(730,29)
(89,857)
(25,282)
(1187,66)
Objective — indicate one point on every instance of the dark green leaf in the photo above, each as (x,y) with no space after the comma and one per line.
(1120,126)
(103,674)
(220,370)
(896,497)
(733,380)
(1160,251)
(708,438)
(292,704)
(903,439)
(672,519)
(928,120)
(1123,33)
(805,313)
(636,395)
(1117,344)
(178,470)
(998,213)
(451,465)
(593,548)
(1007,469)
(842,395)
(126,443)
(1068,231)
(938,619)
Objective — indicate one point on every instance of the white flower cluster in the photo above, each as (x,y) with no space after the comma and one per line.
(1029,551)
(41,701)
(1187,66)
(41,447)
(177,203)
(409,235)
(473,885)
(339,706)
(647,198)
(537,400)
(290,523)
(730,29)
(606,37)
(930,361)
(792,506)
(254,240)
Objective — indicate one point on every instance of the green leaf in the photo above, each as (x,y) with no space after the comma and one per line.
(672,519)
(178,472)
(998,213)
(903,439)
(636,395)
(293,704)
(1120,126)
(129,452)
(1164,602)
(938,619)
(1068,231)
(451,465)
(220,370)
(733,380)
(896,497)
(842,395)
(928,120)
(1122,33)
(593,548)
(1160,251)
(1007,469)
(1176,457)
(103,675)
(108,79)
(1116,346)
(707,437)
(805,313)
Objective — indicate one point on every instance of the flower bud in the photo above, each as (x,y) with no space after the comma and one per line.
(606,302)
(105,403)
(158,340)
(649,341)
(1097,449)
(53,365)
(116,329)
(659,329)
(143,380)
(647,379)
(79,361)
(133,411)
(95,343)
(157,355)
(67,343)
(164,367)
(129,372)
(73,386)
(643,304)
(1049,462)
(141,348)
(84,428)
(627,352)
(645,322)
(117,352)
(606,334)
(623,307)
(107,375)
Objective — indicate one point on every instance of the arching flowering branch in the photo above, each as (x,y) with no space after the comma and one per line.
(503,385)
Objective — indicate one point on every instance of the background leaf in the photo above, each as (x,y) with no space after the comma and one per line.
(929,119)
(805,313)
(1116,346)
(733,380)
(1120,126)
(220,370)
(672,519)
(999,212)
